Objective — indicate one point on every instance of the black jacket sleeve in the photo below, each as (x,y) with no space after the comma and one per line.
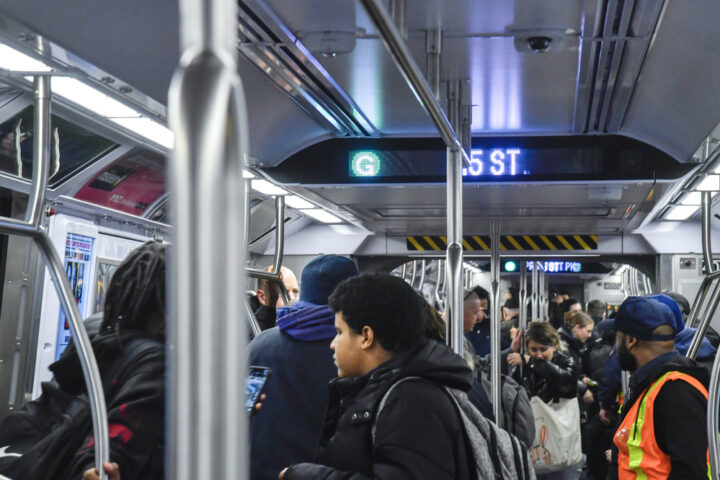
(680,424)
(413,440)
(561,376)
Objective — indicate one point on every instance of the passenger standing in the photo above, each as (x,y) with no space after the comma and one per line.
(576,335)
(547,373)
(596,310)
(270,299)
(663,420)
(418,435)
(475,321)
(288,427)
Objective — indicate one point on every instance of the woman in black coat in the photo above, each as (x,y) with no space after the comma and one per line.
(547,372)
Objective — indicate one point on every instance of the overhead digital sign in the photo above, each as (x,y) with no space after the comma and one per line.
(492,159)
(490,162)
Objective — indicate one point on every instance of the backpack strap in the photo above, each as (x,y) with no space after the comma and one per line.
(132,349)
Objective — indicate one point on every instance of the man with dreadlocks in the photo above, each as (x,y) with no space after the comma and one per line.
(130,351)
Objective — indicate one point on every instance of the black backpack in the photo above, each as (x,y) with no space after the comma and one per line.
(39,441)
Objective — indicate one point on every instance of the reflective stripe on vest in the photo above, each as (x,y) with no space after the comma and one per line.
(639,457)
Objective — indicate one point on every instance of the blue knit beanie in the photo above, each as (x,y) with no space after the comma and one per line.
(321,276)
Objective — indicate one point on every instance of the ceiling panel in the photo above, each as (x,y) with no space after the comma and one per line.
(675,104)
(534,208)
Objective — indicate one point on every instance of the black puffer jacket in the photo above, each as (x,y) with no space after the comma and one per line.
(418,433)
(550,380)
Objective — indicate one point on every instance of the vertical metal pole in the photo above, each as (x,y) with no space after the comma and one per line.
(706,245)
(41,148)
(454,103)
(433,50)
(495,391)
(414,274)
(541,290)
(423,266)
(465,122)
(534,283)
(207,435)
(279,233)
(713,416)
(704,323)
(454,254)
(41,161)
(522,320)
(398,11)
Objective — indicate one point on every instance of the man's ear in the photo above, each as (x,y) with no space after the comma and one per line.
(261,297)
(367,337)
(630,341)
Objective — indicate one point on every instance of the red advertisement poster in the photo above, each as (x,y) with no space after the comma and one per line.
(131,184)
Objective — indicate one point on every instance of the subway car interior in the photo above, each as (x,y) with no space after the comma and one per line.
(554,145)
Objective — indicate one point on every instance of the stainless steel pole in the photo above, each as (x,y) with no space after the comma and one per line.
(207,435)
(433,50)
(522,319)
(541,291)
(704,323)
(252,320)
(713,416)
(398,11)
(280,246)
(414,274)
(41,148)
(393,41)
(495,391)
(535,286)
(91,373)
(423,266)
(700,298)
(706,229)
(31,228)
(455,334)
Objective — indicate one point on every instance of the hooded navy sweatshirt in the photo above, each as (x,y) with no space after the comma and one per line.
(287,428)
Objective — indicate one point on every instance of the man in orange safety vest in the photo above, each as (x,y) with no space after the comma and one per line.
(662,424)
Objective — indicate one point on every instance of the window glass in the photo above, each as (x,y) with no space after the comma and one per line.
(76,146)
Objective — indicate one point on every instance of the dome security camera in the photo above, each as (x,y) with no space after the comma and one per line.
(539,44)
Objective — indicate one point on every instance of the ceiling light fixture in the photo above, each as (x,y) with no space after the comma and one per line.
(681,212)
(267,188)
(322,215)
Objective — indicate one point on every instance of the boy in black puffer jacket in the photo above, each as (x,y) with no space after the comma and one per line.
(418,435)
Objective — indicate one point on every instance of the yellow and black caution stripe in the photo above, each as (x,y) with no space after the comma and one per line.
(507,242)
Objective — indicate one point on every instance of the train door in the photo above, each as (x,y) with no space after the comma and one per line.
(90,256)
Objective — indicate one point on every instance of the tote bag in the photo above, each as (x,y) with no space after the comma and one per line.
(557,434)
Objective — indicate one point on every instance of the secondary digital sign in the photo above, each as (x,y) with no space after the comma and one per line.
(557,266)
(551,266)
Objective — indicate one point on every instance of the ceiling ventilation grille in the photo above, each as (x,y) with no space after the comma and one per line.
(270,45)
(615,41)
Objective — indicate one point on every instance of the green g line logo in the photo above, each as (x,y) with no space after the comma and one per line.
(365,164)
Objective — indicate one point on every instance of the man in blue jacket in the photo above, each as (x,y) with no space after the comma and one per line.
(298,353)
